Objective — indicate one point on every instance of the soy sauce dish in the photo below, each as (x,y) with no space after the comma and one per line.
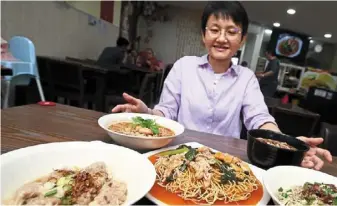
(268,149)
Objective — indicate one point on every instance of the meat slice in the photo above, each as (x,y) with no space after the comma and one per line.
(99,173)
(112,193)
(26,192)
(43,201)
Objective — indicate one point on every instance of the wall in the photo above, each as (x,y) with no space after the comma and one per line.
(179,37)
(182,36)
(56,29)
(94,8)
(249,48)
(334,63)
(325,57)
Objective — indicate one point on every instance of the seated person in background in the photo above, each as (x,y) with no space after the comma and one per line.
(146,59)
(114,55)
(6,55)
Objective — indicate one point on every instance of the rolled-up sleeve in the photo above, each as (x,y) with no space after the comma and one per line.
(170,97)
(255,110)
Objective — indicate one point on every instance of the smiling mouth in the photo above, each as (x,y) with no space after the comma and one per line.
(221,48)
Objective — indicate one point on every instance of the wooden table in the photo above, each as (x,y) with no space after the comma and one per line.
(33,124)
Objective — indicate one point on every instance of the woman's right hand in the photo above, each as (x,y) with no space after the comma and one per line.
(134,105)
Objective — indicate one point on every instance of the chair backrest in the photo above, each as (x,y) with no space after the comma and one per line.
(22,49)
(329,133)
(294,123)
(147,86)
(271,103)
(66,75)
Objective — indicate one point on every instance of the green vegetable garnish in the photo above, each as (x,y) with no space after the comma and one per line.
(146,123)
(190,155)
(285,195)
(228,174)
(51,192)
(335,201)
(174,152)
(66,200)
(280,189)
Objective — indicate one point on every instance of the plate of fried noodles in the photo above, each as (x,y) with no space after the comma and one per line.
(192,173)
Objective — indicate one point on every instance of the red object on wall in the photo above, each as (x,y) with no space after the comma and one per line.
(107,10)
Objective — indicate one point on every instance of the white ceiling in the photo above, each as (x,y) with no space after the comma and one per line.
(314,18)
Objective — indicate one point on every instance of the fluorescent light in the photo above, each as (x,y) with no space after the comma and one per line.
(268,31)
(291,11)
(276,24)
(327,36)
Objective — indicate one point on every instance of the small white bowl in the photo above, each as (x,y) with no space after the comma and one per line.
(289,176)
(136,142)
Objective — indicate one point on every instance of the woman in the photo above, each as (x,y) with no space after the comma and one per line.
(209,93)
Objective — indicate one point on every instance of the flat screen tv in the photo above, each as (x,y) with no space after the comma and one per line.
(289,45)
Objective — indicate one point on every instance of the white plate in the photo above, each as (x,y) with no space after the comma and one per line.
(25,165)
(258,172)
(288,176)
(136,142)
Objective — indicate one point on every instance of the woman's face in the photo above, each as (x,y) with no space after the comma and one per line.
(222,38)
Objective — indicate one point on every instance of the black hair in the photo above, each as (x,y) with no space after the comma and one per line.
(226,9)
(244,64)
(122,42)
(270,51)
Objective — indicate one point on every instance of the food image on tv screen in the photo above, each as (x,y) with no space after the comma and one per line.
(288,46)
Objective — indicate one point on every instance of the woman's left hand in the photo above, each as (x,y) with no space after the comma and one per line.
(311,158)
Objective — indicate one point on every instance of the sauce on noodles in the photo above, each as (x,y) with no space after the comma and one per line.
(142,128)
(170,198)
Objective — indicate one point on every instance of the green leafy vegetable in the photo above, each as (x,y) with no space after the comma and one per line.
(146,123)
(51,192)
(280,189)
(183,166)
(190,155)
(173,152)
(170,177)
(228,175)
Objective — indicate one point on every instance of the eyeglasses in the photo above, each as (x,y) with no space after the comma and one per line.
(231,33)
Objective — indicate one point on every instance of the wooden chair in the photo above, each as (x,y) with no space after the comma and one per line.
(272,102)
(295,123)
(68,82)
(145,93)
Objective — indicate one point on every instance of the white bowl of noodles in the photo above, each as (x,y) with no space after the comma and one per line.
(109,169)
(289,185)
(140,131)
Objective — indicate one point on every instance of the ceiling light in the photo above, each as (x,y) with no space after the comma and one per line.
(328,35)
(268,31)
(311,41)
(276,24)
(291,11)
(309,37)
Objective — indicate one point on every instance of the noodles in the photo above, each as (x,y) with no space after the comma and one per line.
(141,127)
(206,177)
(309,194)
